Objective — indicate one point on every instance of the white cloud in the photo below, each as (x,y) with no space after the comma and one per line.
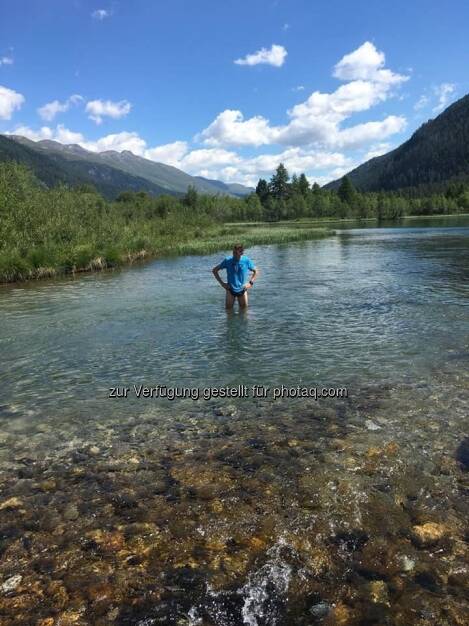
(101,14)
(60,134)
(421,102)
(444,92)
(366,63)
(370,131)
(286,26)
(170,153)
(6,60)
(298,88)
(229,127)
(318,119)
(231,167)
(97,109)
(377,150)
(51,109)
(118,142)
(315,121)
(207,158)
(275,56)
(35,135)
(10,101)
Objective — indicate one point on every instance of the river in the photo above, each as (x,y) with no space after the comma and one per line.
(257,511)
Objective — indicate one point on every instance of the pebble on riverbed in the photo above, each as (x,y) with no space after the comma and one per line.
(428,534)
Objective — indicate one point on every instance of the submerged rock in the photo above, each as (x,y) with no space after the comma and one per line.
(11,583)
(429,534)
(379,592)
(11,503)
(71,512)
(320,610)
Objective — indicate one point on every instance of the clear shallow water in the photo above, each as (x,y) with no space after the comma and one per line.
(367,306)
(136,513)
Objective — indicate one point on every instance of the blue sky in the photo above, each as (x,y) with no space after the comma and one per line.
(229,89)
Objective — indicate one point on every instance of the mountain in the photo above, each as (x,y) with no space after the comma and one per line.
(52,169)
(160,177)
(435,154)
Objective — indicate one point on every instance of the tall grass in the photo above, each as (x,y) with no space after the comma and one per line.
(57,231)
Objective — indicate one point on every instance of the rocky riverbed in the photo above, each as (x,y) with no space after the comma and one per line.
(286,513)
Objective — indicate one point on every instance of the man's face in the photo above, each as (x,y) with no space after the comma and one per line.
(237,252)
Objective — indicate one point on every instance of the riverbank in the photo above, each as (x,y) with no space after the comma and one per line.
(84,258)
(46,233)
(205,238)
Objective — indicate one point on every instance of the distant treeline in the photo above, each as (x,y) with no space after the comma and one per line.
(284,198)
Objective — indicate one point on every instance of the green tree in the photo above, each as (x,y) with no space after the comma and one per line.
(279,183)
(253,207)
(126,196)
(303,185)
(191,197)
(347,192)
(262,190)
(294,185)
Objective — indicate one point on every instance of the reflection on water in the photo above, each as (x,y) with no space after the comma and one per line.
(352,511)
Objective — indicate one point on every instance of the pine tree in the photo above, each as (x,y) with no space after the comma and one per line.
(303,185)
(347,192)
(279,183)
(262,190)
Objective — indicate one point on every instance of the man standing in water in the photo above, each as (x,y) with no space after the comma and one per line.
(238,282)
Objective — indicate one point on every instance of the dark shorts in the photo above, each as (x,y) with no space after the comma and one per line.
(237,294)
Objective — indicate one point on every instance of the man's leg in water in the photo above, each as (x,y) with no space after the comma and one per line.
(243,300)
(229,301)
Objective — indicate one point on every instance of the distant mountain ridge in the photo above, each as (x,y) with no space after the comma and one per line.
(52,169)
(110,171)
(435,154)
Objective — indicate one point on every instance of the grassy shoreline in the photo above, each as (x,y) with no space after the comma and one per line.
(217,238)
(190,241)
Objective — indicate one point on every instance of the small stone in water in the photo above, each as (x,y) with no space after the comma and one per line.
(11,583)
(11,503)
(71,512)
(407,564)
(379,592)
(320,610)
(428,534)
(371,425)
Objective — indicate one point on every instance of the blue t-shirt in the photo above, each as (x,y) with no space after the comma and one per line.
(237,272)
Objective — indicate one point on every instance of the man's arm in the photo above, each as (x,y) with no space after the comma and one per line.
(216,273)
(254,273)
